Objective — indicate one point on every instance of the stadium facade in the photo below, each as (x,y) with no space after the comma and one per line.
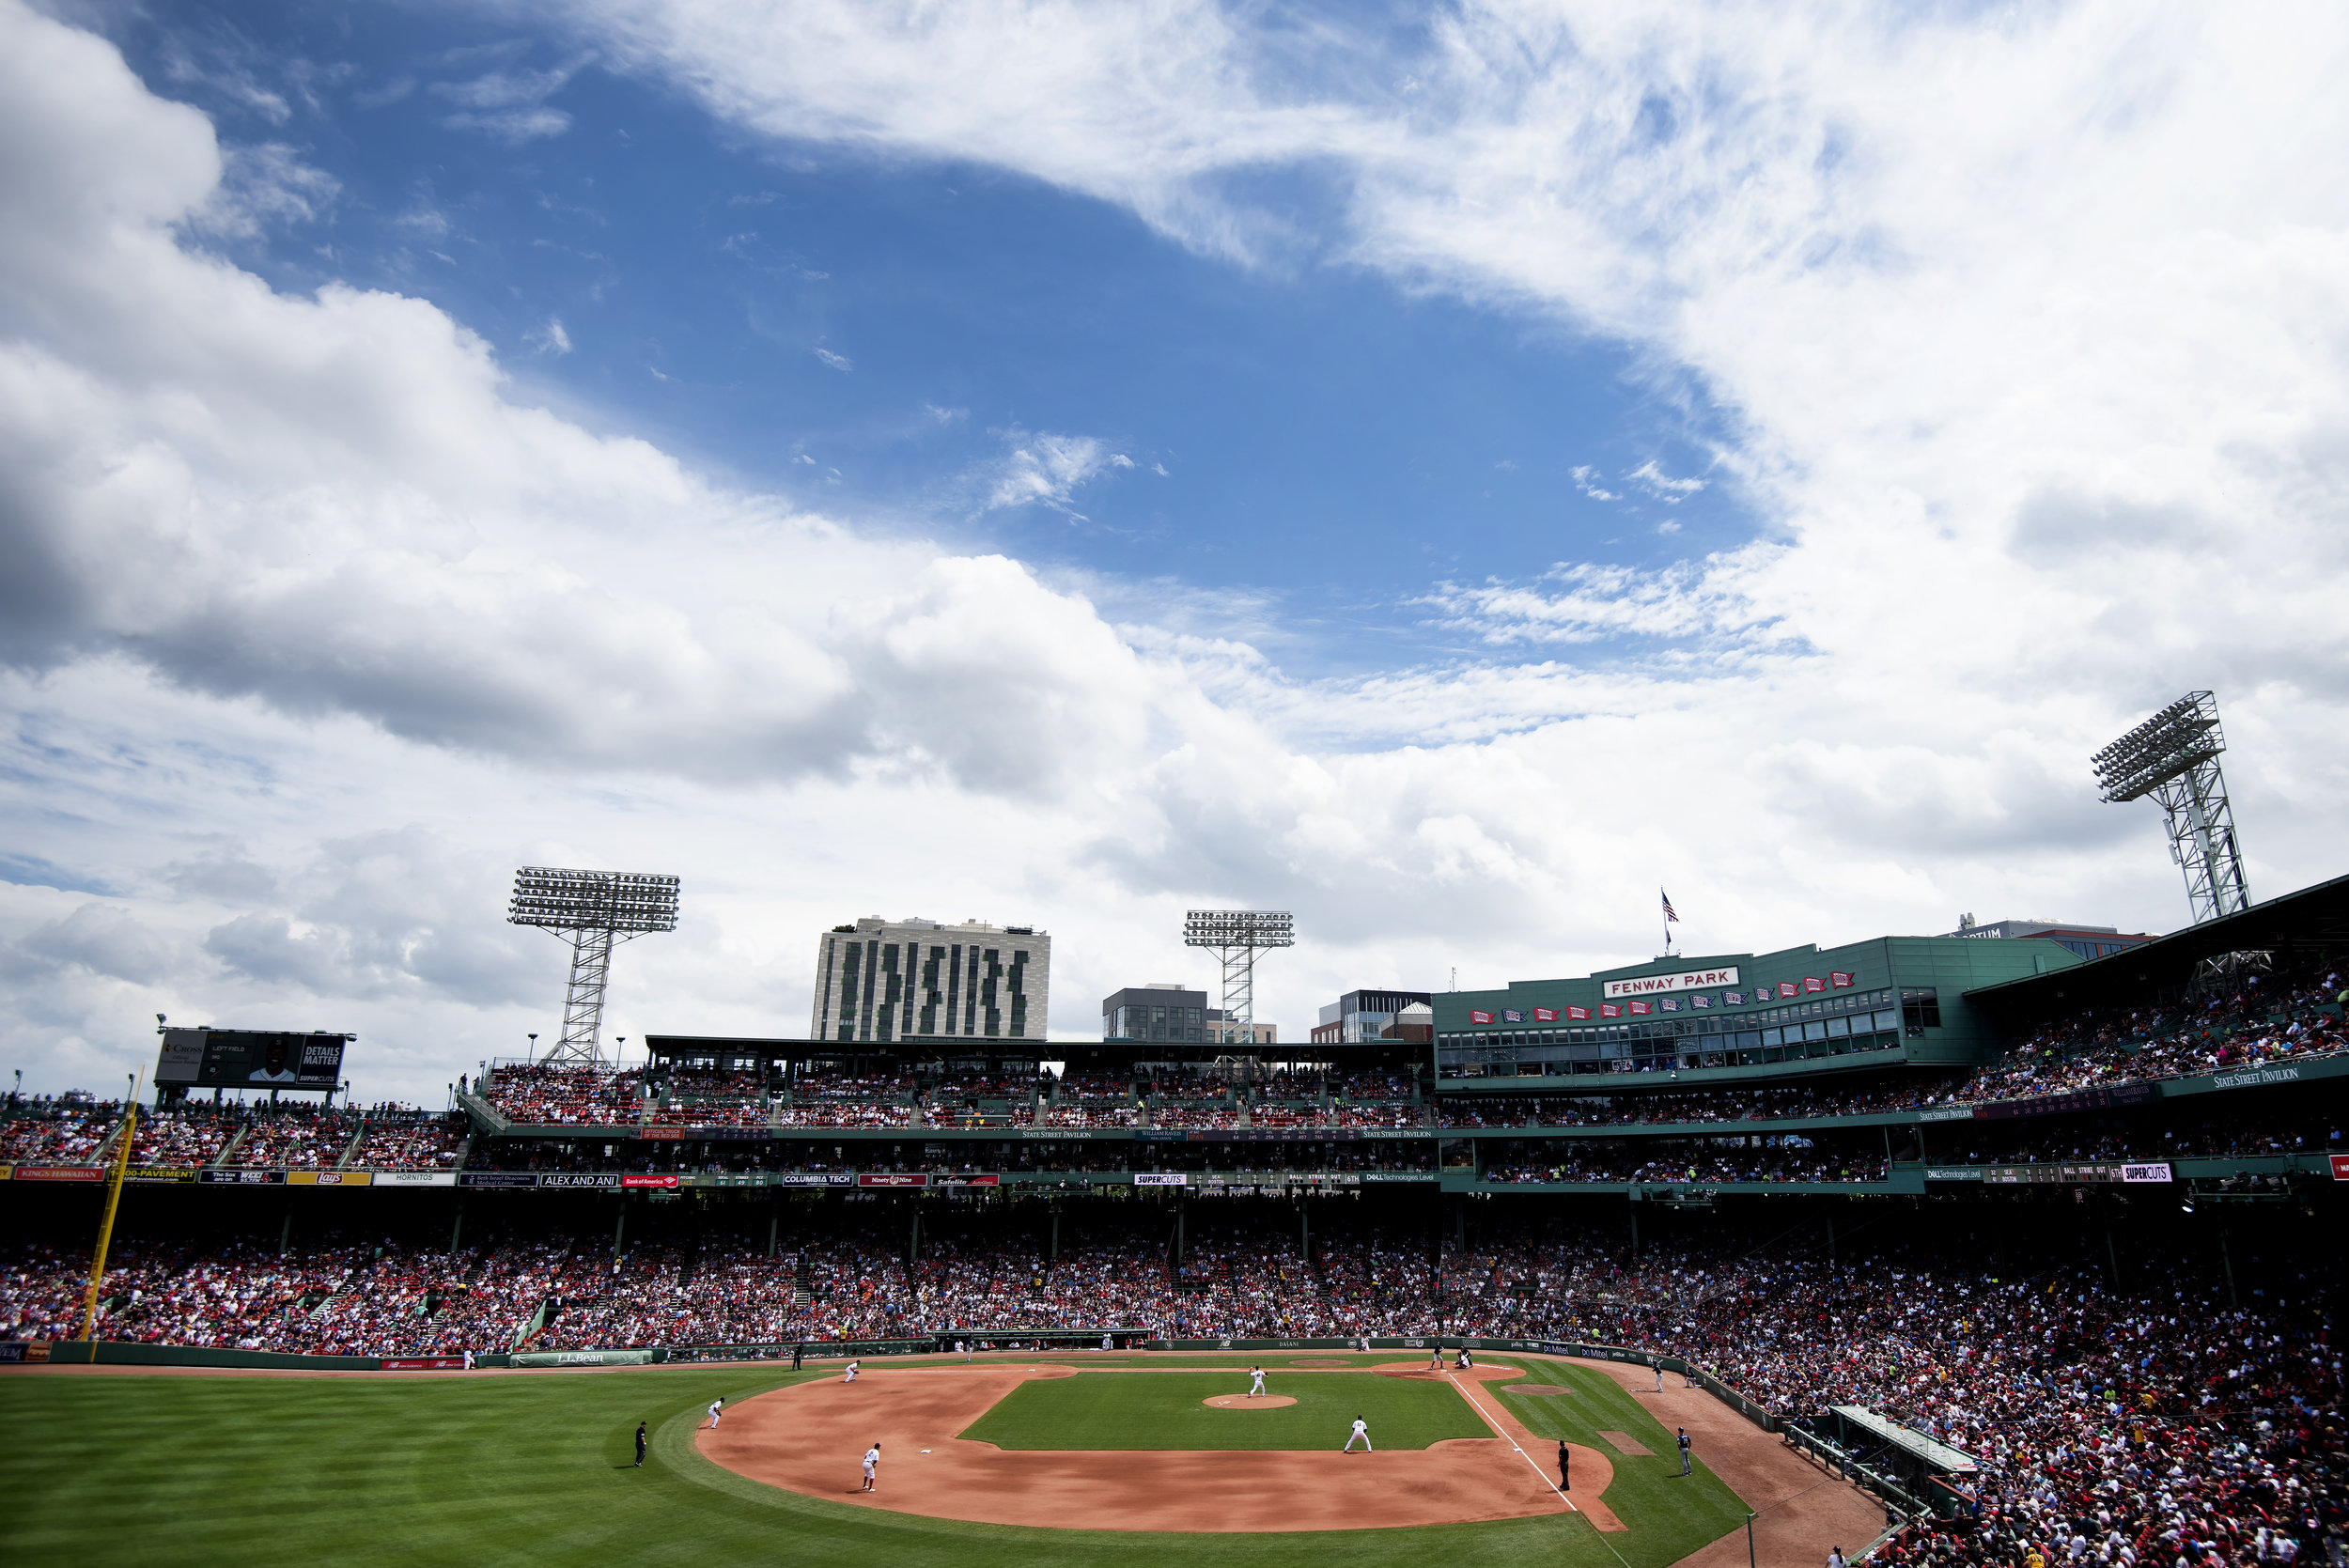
(1892,1001)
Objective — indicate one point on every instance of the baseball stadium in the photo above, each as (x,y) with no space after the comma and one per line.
(1925,1251)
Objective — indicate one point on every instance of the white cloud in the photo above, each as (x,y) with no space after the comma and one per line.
(837,362)
(2030,332)
(550,338)
(509,104)
(1662,486)
(1042,467)
(1586,479)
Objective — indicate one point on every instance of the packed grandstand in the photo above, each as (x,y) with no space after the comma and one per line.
(2094,1266)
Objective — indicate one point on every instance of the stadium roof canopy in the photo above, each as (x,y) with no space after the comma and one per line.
(1939,1455)
(2312,922)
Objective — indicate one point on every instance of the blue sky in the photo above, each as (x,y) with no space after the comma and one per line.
(1326,439)
(1444,471)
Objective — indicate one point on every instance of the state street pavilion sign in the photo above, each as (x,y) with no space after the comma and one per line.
(1687,980)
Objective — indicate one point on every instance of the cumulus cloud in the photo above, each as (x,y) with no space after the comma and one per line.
(2029,331)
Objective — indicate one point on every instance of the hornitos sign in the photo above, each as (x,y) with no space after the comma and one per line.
(1687,980)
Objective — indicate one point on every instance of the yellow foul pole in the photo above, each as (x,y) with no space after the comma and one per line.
(113,1196)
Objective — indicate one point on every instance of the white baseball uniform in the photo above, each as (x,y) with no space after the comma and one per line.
(1258,1376)
(713,1413)
(1361,1430)
(872,1457)
(852,1377)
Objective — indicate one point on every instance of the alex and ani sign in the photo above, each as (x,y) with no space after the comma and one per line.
(1687,980)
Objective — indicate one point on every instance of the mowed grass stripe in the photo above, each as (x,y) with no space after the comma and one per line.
(260,1472)
(1141,1410)
(1651,1497)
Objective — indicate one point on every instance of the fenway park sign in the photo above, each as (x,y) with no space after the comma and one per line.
(1687,980)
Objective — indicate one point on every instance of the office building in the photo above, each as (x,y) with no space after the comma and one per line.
(1360,1016)
(882,980)
(2089,942)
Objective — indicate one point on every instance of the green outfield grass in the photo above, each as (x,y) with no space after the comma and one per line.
(1163,1410)
(262,1472)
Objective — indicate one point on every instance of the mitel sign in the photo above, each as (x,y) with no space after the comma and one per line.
(1687,980)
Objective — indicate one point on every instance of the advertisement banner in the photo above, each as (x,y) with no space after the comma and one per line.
(891,1178)
(577,1178)
(2158,1172)
(496,1178)
(158,1173)
(242,1176)
(1162,1178)
(2341,1168)
(416,1178)
(424,1364)
(59,1173)
(647,1181)
(246,1059)
(330,1178)
(811,1178)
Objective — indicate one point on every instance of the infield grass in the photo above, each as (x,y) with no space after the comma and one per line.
(291,1473)
(1164,1410)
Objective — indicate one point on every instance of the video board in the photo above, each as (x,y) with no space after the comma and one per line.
(250,1058)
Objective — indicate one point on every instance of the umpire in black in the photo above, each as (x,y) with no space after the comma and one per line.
(640,1445)
(1565,1482)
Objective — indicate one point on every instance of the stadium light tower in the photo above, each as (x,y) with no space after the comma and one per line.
(1234,936)
(2174,758)
(591,910)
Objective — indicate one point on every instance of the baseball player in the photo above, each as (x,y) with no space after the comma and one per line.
(640,1445)
(1361,1434)
(1684,1450)
(469,1360)
(1465,1360)
(1257,1388)
(716,1407)
(853,1367)
(1565,1478)
(1657,1368)
(1434,1358)
(872,1458)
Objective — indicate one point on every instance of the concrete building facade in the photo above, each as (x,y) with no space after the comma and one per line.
(883,980)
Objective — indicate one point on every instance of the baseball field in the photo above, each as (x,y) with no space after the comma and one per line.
(1102,1459)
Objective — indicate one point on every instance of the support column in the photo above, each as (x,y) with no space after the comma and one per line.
(457,1226)
(1830,1241)
(2227,1259)
(1635,1224)
(1055,1233)
(913,1243)
(285,1232)
(774,1222)
(619,1228)
(1305,1233)
(2112,1256)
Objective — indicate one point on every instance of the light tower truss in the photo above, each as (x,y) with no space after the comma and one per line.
(1236,937)
(593,910)
(2174,758)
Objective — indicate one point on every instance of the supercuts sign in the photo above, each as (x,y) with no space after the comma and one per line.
(1687,980)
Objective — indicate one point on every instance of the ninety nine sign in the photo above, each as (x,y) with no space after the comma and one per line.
(1687,980)
(2341,1168)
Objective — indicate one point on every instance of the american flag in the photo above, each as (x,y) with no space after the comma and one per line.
(1671,916)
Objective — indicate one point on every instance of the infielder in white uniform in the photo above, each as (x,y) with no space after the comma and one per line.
(852,1371)
(872,1458)
(715,1406)
(1256,1373)
(1361,1434)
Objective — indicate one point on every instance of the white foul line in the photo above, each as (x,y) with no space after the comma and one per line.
(1469,1392)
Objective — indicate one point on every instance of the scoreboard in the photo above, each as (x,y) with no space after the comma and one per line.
(250,1058)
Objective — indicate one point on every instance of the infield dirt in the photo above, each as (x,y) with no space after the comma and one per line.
(809,1437)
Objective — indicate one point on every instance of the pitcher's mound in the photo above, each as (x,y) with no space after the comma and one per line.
(1243,1402)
